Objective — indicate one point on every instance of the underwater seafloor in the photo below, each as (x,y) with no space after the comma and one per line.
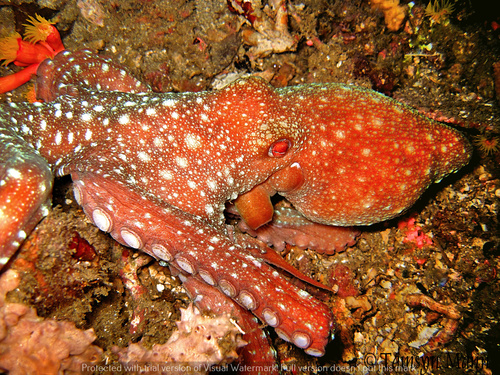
(439,59)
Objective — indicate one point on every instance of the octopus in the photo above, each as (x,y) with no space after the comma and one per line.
(157,170)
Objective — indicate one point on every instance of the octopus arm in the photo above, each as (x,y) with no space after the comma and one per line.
(257,351)
(25,191)
(197,248)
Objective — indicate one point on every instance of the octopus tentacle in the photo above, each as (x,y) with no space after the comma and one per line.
(260,250)
(195,248)
(73,73)
(258,349)
(25,191)
(255,206)
(290,227)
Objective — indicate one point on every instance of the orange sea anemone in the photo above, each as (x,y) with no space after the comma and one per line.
(40,30)
(8,48)
(42,41)
(439,10)
(13,49)
(487,144)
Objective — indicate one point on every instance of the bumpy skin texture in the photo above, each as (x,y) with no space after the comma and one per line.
(155,170)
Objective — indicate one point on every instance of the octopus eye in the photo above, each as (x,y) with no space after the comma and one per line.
(279,148)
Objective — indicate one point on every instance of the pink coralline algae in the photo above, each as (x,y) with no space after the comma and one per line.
(30,344)
(199,343)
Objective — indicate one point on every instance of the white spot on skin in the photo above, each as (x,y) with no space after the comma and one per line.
(212,184)
(169,102)
(167,175)
(181,162)
(124,119)
(340,134)
(192,141)
(158,142)
(209,209)
(58,138)
(14,173)
(144,156)
(86,117)
(88,135)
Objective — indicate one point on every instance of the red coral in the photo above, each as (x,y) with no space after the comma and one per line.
(199,340)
